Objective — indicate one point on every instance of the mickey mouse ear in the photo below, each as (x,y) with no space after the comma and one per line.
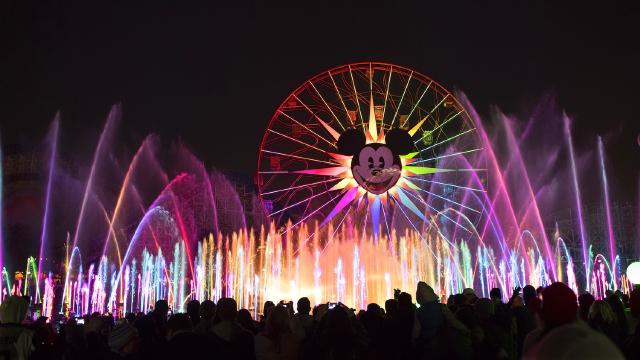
(351,141)
(399,141)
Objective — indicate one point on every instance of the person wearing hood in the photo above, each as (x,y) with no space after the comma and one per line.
(438,325)
(15,339)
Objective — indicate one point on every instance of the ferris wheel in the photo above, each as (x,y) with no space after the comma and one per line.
(374,140)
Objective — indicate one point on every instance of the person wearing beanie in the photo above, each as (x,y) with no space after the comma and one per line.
(123,340)
(561,335)
(15,339)
(470,295)
(574,341)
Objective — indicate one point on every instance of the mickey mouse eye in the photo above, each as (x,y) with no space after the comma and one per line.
(370,161)
(381,162)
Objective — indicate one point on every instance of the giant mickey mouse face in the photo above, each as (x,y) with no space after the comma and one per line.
(376,166)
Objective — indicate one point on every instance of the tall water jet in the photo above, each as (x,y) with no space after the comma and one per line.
(578,197)
(53,138)
(96,156)
(513,145)
(607,207)
(87,191)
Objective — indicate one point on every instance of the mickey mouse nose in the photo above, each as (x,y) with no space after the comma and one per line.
(375,172)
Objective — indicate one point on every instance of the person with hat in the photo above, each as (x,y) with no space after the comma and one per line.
(561,335)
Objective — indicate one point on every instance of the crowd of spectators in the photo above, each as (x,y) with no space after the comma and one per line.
(543,323)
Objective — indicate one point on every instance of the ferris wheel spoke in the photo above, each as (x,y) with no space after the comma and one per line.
(355,95)
(386,95)
(451,201)
(419,124)
(332,171)
(298,141)
(327,105)
(414,226)
(336,171)
(440,125)
(425,170)
(329,129)
(313,212)
(306,128)
(445,184)
(339,95)
(440,212)
(299,202)
(447,155)
(346,199)
(428,173)
(401,98)
(335,230)
(448,139)
(416,104)
(299,186)
(386,223)
(298,157)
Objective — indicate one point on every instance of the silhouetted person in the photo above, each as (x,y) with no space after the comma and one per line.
(528,293)
(495,295)
(584,304)
(602,319)
(245,320)
(374,325)
(152,345)
(182,341)
(618,309)
(123,341)
(227,336)
(405,326)
(207,315)
(561,336)
(391,308)
(266,309)
(429,315)
(339,339)
(277,340)
(633,342)
(302,317)
(193,310)
(15,339)
(159,313)
(525,322)
(494,343)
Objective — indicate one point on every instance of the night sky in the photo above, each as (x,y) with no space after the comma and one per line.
(196,72)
